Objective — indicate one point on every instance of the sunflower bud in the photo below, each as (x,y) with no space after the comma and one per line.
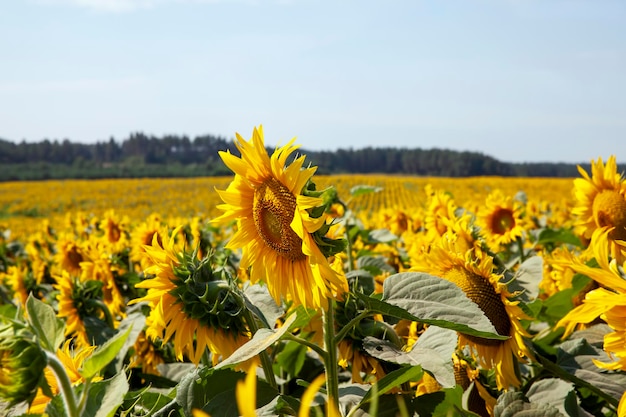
(206,297)
(22,363)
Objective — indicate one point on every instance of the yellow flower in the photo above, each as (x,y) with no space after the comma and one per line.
(481,285)
(441,207)
(607,302)
(115,231)
(74,299)
(177,312)
(69,253)
(479,401)
(360,362)
(275,228)
(142,236)
(601,204)
(72,360)
(500,220)
(97,266)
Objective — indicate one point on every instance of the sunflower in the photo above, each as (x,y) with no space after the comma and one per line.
(115,231)
(72,360)
(22,282)
(142,236)
(350,354)
(479,400)
(177,293)
(607,302)
(601,204)
(78,299)
(440,207)
(275,228)
(500,220)
(476,278)
(69,253)
(147,355)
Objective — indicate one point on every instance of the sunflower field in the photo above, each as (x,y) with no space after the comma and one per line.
(276,292)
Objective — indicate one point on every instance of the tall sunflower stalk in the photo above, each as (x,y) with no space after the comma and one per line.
(282,232)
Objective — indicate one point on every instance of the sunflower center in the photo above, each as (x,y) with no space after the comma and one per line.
(273,210)
(609,209)
(502,221)
(479,290)
(114,233)
(74,257)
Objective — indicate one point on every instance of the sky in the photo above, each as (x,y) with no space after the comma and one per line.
(518,80)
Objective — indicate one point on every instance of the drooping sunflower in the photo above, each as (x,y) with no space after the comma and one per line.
(500,220)
(275,229)
(72,360)
(78,299)
(476,277)
(188,305)
(601,204)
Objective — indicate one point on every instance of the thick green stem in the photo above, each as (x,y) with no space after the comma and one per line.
(65,386)
(345,329)
(266,363)
(330,361)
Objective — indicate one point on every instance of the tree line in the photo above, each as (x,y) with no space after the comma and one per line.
(142,155)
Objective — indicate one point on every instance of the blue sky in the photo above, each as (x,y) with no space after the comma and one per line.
(520,80)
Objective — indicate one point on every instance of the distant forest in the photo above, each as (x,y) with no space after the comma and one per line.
(141,155)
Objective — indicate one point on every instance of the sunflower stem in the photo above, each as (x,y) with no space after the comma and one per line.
(345,329)
(266,363)
(308,344)
(65,386)
(330,361)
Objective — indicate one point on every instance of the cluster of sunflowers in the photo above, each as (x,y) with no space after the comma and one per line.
(290,302)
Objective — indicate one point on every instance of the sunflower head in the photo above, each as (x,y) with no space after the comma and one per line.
(480,284)
(601,202)
(501,219)
(21,367)
(281,223)
(206,295)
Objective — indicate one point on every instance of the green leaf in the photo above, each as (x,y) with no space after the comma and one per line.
(105,397)
(433,354)
(557,393)
(263,305)
(381,236)
(135,320)
(428,299)
(376,265)
(433,351)
(554,237)
(291,358)
(512,404)
(527,278)
(213,391)
(444,403)
(576,358)
(49,329)
(559,304)
(394,379)
(261,340)
(103,355)
(358,190)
